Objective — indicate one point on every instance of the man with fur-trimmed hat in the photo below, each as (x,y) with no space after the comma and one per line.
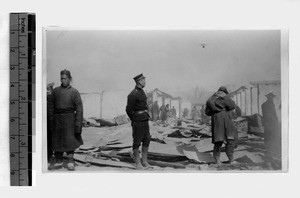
(271,126)
(218,107)
(136,110)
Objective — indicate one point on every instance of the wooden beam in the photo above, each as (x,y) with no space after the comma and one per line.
(251,100)
(258,110)
(101,162)
(245,93)
(180,109)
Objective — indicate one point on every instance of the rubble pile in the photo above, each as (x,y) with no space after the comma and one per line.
(175,144)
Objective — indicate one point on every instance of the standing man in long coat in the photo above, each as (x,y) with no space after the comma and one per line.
(203,116)
(67,121)
(271,126)
(163,112)
(155,111)
(223,131)
(195,114)
(174,112)
(136,110)
(185,112)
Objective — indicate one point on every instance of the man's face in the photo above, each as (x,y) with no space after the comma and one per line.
(270,98)
(142,82)
(65,81)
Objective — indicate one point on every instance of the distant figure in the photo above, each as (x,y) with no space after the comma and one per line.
(163,112)
(271,126)
(155,111)
(174,112)
(136,110)
(203,116)
(195,114)
(223,130)
(169,113)
(185,112)
(67,121)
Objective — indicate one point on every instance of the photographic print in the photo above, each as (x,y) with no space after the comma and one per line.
(164,100)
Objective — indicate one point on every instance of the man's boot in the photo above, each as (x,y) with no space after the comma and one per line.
(57,162)
(230,150)
(231,159)
(144,157)
(217,152)
(71,163)
(217,159)
(137,159)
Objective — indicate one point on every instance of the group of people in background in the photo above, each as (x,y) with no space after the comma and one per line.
(161,113)
(164,112)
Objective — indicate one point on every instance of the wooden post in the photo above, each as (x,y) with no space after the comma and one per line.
(101,100)
(241,106)
(258,110)
(251,100)
(180,109)
(245,93)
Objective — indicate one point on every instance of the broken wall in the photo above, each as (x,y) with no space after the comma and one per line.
(106,105)
(91,104)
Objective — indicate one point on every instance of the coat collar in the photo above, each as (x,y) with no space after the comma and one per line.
(68,87)
(138,87)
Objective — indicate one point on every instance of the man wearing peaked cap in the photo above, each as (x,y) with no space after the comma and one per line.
(139,77)
(136,110)
(271,129)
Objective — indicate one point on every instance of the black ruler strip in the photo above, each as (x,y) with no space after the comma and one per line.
(22,96)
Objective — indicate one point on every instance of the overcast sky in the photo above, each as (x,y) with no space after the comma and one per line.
(172,60)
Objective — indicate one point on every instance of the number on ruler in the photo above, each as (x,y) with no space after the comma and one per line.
(22,98)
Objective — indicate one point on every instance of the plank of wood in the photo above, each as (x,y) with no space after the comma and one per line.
(199,156)
(165,164)
(100,162)
(122,119)
(151,162)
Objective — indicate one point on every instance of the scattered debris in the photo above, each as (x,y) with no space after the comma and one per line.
(122,119)
(90,123)
(255,124)
(200,157)
(100,162)
(175,144)
(105,122)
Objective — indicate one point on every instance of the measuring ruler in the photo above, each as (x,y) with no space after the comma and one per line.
(22,96)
